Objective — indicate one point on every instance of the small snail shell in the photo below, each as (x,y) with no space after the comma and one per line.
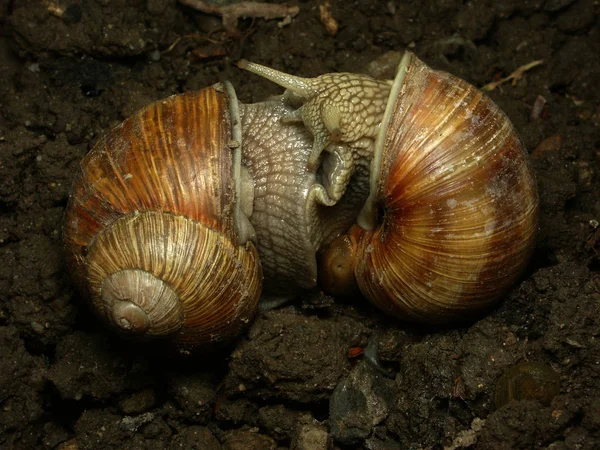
(156,228)
(452,215)
(527,381)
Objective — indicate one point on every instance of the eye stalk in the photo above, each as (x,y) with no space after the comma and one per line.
(336,108)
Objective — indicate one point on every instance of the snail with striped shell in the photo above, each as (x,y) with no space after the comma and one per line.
(417,189)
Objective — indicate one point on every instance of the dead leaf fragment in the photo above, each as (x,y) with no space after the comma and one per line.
(550,144)
(327,19)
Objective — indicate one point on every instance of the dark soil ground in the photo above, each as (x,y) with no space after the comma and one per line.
(71,69)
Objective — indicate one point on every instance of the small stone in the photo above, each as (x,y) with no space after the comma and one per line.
(467,438)
(548,145)
(585,175)
(359,402)
(312,436)
(281,422)
(154,55)
(130,423)
(194,394)
(138,402)
(37,327)
(71,444)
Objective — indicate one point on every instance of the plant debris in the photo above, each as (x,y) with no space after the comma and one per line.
(231,13)
(327,19)
(514,77)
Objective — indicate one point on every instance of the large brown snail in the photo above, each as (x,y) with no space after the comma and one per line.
(180,211)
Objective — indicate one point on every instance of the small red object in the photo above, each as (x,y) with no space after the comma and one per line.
(353,352)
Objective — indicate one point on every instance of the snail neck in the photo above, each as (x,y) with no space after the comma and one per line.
(309,156)
(297,209)
(275,155)
(336,108)
(347,116)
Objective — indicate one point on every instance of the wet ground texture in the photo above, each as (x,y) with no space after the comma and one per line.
(71,69)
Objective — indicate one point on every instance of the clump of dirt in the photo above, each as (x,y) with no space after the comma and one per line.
(74,68)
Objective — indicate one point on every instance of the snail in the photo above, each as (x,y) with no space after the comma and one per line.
(186,213)
(156,227)
(451,218)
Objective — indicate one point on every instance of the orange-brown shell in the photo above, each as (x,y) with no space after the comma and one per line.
(456,200)
(156,195)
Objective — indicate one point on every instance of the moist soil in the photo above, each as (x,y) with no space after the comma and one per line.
(72,69)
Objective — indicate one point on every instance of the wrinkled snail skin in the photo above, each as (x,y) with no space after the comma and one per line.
(293,212)
(150,227)
(452,216)
(309,154)
(276,155)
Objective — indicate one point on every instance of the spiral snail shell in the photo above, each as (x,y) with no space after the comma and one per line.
(154,230)
(452,214)
(416,190)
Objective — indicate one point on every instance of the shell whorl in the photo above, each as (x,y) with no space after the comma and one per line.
(138,302)
(457,202)
(151,227)
(182,275)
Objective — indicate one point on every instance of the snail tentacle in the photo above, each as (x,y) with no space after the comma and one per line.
(338,107)
(302,87)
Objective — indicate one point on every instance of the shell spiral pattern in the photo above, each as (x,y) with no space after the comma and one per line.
(150,225)
(457,204)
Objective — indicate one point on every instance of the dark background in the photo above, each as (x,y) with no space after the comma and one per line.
(72,69)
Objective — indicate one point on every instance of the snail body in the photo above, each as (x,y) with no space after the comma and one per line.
(415,191)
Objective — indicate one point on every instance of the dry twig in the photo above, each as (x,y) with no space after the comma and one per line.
(515,76)
(231,13)
(196,36)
